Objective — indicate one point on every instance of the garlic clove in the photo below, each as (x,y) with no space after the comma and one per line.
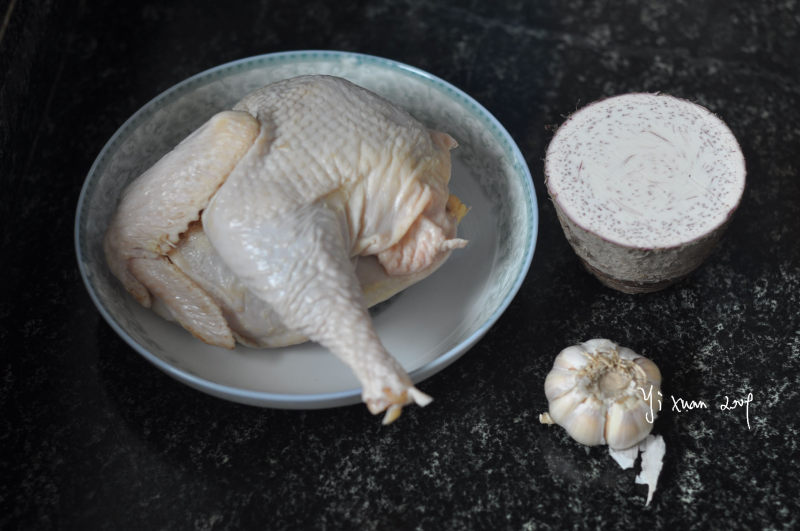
(597,345)
(562,407)
(571,358)
(558,382)
(587,422)
(651,372)
(626,423)
(627,354)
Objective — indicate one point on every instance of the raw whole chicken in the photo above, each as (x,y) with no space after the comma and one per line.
(286,218)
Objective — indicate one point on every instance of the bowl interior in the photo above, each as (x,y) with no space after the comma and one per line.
(425,327)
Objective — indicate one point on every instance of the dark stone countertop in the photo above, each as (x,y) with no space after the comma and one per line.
(93,436)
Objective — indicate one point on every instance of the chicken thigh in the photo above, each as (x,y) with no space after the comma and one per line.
(284,219)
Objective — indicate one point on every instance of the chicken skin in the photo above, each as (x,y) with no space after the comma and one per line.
(285,218)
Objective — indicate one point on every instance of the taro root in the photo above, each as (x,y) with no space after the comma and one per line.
(644,186)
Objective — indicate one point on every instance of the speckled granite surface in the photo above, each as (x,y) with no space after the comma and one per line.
(93,436)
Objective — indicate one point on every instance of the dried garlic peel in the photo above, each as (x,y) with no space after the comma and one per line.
(653,449)
(625,458)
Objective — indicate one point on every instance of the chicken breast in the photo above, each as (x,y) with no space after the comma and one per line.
(284,219)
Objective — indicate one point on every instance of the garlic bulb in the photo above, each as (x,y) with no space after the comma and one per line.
(602,393)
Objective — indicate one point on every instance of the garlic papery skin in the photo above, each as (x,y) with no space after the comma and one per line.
(602,393)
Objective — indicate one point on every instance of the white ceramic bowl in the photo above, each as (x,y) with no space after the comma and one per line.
(426,327)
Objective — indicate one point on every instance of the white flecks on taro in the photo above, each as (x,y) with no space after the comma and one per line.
(602,393)
(644,185)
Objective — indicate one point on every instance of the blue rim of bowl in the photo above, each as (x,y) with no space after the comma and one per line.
(298,401)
